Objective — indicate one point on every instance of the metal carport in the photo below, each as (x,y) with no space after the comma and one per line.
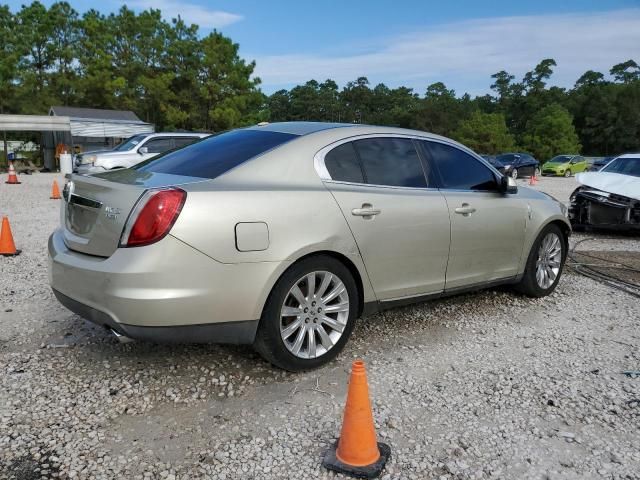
(32,123)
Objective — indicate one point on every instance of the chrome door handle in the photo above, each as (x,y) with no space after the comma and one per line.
(465,210)
(367,210)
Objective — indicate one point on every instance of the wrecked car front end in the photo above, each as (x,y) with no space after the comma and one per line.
(595,208)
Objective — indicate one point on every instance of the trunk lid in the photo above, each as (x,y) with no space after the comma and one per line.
(95,208)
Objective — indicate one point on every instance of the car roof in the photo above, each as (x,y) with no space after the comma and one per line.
(299,128)
(629,155)
(178,134)
(343,129)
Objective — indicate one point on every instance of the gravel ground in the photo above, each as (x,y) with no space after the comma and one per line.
(484,385)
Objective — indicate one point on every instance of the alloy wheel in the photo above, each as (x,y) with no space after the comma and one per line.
(514,173)
(549,260)
(314,314)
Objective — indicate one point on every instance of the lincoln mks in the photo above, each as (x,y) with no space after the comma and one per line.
(282,235)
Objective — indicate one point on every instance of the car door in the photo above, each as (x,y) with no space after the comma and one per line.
(527,166)
(579,164)
(487,227)
(400,223)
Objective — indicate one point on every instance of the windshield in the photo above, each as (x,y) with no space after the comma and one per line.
(507,158)
(561,159)
(129,143)
(624,166)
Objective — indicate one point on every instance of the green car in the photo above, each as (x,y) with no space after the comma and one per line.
(565,165)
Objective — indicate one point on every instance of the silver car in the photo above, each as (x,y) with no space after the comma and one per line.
(282,235)
(132,151)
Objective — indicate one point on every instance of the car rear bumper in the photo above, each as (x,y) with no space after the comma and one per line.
(242,332)
(167,291)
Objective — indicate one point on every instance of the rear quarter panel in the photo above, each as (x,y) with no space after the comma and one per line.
(281,189)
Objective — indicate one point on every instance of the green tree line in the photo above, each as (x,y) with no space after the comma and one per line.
(164,71)
(596,117)
(176,78)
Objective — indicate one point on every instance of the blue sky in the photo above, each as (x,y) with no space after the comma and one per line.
(412,43)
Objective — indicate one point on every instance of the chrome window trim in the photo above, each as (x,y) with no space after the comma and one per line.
(323,173)
(375,185)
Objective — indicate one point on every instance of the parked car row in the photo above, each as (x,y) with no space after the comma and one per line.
(518,165)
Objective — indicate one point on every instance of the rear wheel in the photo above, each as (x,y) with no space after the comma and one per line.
(309,315)
(545,263)
(536,172)
(514,173)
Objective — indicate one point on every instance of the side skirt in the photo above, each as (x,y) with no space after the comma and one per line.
(377,306)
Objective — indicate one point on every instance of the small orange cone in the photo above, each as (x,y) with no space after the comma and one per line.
(7,247)
(13,178)
(55,191)
(533,180)
(357,452)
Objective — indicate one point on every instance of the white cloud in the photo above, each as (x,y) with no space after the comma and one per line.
(465,54)
(189,12)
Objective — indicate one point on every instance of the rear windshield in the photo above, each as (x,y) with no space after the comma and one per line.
(215,155)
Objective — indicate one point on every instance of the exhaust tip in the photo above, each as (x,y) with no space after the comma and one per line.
(121,338)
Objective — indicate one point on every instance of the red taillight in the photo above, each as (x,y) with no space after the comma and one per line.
(153,216)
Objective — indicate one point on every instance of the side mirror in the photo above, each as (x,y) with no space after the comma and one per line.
(508,185)
(143,150)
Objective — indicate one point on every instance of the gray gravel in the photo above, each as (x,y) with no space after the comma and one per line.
(485,385)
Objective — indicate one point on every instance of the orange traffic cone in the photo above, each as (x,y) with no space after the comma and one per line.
(533,180)
(357,452)
(13,178)
(55,191)
(7,247)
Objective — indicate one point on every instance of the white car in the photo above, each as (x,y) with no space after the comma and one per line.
(133,151)
(609,198)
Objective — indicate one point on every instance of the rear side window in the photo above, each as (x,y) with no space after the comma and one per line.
(215,155)
(182,141)
(459,170)
(343,165)
(158,145)
(391,161)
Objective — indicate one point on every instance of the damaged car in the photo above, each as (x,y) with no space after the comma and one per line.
(609,198)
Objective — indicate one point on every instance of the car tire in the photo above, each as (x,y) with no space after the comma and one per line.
(536,172)
(567,173)
(270,341)
(514,173)
(530,284)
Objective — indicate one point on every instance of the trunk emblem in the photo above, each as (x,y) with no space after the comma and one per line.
(112,212)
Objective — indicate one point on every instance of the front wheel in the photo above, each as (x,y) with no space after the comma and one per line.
(536,172)
(514,173)
(545,263)
(567,173)
(309,315)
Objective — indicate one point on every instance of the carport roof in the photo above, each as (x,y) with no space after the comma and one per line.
(34,123)
(96,114)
